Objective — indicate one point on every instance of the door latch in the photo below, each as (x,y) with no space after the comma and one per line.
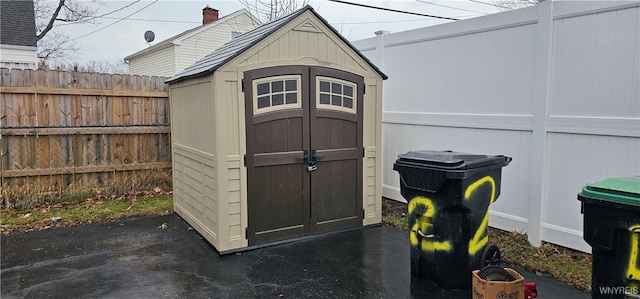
(305,157)
(311,168)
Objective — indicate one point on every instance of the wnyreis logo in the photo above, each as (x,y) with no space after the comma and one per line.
(620,291)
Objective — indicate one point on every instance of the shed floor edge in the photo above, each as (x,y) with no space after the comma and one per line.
(254,247)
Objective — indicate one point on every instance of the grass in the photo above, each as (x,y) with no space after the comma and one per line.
(569,266)
(91,210)
(23,194)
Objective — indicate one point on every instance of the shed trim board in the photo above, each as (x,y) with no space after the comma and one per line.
(213,115)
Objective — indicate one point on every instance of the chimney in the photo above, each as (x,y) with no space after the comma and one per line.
(209,15)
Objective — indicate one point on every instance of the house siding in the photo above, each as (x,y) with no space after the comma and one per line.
(18,57)
(157,63)
(195,47)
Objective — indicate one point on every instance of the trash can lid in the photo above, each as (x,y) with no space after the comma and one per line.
(449,160)
(625,190)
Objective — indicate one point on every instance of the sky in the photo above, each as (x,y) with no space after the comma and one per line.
(121,33)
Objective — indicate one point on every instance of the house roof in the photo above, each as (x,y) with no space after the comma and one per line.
(17,24)
(232,49)
(176,39)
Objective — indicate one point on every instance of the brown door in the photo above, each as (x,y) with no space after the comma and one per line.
(304,153)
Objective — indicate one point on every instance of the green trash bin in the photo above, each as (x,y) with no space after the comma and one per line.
(448,195)
(611,211)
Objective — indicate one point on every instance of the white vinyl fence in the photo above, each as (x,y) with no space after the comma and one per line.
(555,86)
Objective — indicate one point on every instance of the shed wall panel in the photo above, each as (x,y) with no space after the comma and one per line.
(196,115)
(290,46)
(229,118)
(194,160)
(194,189)
(372,130)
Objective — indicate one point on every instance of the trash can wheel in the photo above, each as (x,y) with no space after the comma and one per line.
(490,255)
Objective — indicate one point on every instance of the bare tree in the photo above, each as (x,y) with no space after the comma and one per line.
(269,10)
(52,44)
(105,66)
(91,66)
(504,5)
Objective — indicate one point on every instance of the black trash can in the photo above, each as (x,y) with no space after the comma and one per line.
(448,195)
(611,210)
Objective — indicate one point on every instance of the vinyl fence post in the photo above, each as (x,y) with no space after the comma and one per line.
(541,99)
(380,48)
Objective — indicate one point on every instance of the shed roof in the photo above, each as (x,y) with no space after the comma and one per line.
(17,23)
(232,49)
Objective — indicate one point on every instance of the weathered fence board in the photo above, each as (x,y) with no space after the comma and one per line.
(60,127)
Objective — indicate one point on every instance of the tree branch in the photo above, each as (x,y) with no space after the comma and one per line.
(51,21)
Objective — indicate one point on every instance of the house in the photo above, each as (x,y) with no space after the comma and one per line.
(18,43)
(276,136)
(174,54)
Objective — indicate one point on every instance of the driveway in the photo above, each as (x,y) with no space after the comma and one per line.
(137,259)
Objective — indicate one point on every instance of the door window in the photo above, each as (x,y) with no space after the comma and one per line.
(276,93)
(335,94)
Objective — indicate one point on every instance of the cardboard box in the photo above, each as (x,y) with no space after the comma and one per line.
(482,289)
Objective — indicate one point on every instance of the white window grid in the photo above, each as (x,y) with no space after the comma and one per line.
(340,92)
(271,93)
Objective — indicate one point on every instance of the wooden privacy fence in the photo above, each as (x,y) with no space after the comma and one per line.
(59,128)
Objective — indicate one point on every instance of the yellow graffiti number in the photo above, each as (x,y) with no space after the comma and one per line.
(480,238)
(633,272)
(424,224)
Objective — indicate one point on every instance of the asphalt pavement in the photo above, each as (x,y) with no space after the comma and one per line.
(137,258)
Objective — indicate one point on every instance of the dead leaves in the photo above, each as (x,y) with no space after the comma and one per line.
(95,209)
(129,196)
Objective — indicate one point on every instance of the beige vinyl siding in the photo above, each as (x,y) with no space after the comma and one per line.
(304,47)
(195,47)
(231,170)
(194,157)
(372,142)
(157,63)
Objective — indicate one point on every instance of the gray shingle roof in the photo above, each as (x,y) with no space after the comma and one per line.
(17,23)
(232,49)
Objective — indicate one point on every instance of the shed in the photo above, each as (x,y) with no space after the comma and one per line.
(276,135)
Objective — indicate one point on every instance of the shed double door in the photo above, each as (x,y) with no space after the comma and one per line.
(304,152)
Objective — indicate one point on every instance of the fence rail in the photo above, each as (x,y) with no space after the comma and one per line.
(59,128)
